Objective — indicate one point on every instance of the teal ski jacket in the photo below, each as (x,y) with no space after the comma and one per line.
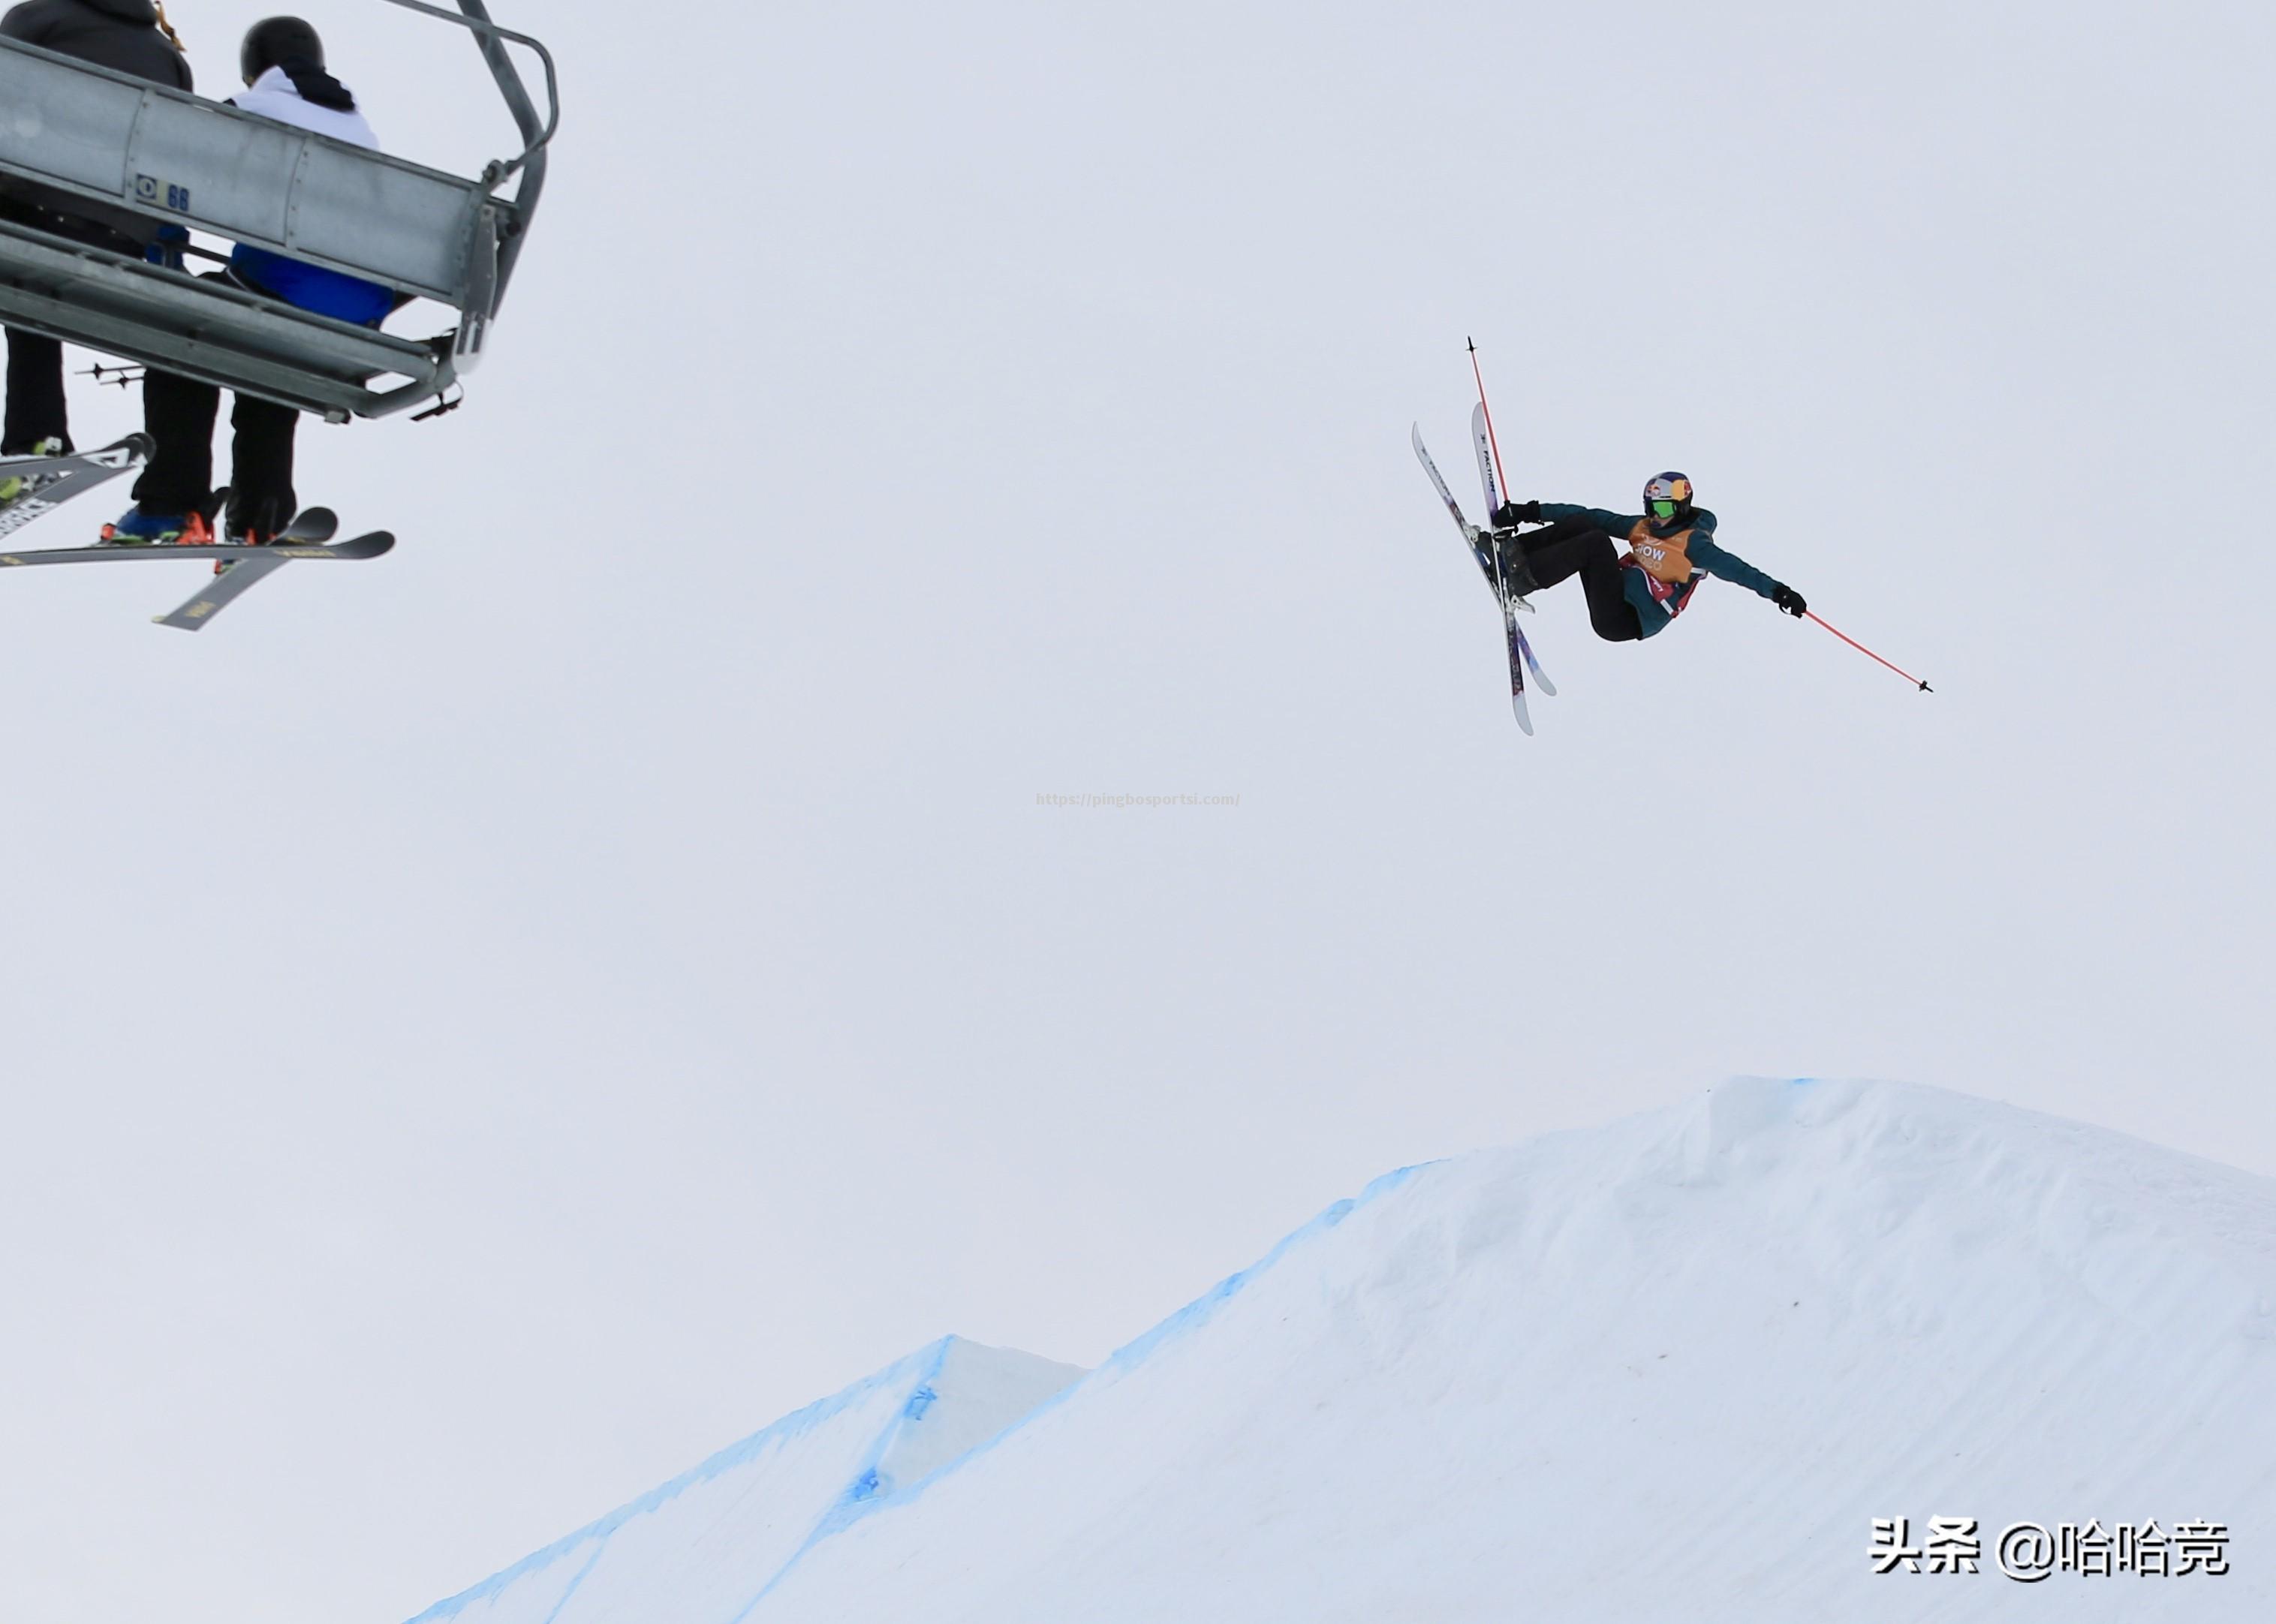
(1707,557)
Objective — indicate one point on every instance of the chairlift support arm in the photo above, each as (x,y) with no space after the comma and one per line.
(491,40)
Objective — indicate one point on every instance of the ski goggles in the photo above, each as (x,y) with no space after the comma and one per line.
(1662,507)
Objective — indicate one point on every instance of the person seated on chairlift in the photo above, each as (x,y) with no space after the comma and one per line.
(134,37)
(282,62)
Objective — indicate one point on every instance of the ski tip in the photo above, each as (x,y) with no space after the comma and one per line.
(1544,684)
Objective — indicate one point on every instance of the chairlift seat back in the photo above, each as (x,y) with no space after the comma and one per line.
(74,130)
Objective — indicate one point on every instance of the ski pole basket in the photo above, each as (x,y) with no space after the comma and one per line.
(74,132)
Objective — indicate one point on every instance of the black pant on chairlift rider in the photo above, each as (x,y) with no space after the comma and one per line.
(36,413)
(179,413)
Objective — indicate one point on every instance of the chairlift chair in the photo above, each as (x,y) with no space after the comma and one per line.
(71,129)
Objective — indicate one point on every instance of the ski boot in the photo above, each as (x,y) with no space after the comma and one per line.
(254,524)
(1516,569)
(258,531)
(136,528)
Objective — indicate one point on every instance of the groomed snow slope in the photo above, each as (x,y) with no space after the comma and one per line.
(710,1542)
(1668,1369)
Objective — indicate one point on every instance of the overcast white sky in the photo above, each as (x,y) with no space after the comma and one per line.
(487,1028)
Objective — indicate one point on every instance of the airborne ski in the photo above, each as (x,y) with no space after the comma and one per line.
(1482,436)
(50,482)
(238,568)
(1489,560)
(1489,482)
(234,577)
(307,536)
(281,551)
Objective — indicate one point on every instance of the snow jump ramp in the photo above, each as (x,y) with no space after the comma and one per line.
(1674,1368)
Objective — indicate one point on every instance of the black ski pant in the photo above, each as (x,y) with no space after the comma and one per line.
(37,409)
(180,414)
(1576,547)
(36,395)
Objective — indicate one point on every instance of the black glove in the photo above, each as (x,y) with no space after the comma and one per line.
(1791,601)
(1515,513)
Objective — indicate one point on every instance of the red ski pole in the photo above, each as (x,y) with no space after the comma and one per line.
(1869,654)
(1501,472)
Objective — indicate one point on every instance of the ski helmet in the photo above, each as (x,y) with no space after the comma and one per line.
(1667,497)
(276,40)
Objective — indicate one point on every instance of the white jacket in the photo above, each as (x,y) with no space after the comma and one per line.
(273,96)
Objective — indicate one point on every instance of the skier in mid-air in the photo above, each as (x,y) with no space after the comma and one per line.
(1632,595)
